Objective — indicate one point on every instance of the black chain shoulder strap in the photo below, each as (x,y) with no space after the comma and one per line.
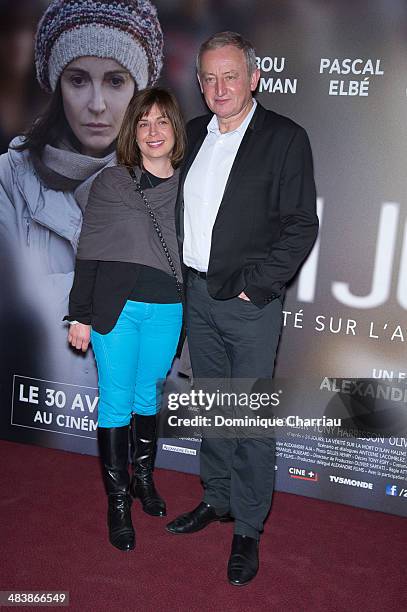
(158,230)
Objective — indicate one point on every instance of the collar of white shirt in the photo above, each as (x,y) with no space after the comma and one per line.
(213,125)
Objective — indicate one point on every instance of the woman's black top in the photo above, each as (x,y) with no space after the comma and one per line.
(101,288)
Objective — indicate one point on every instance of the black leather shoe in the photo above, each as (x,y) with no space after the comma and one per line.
(197,519)
(244,560)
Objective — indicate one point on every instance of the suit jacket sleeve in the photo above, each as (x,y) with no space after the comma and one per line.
(299,225)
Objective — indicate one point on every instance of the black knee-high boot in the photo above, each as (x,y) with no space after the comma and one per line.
(114,453)
(144,430)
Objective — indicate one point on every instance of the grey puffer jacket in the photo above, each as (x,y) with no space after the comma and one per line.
(39,232)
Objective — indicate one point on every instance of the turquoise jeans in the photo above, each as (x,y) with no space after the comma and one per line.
(132,358)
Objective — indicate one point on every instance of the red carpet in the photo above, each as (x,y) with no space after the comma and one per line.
(315,556)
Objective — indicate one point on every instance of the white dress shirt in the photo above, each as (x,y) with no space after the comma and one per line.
(204,187)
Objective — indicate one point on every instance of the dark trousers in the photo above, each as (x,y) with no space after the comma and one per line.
(237,340)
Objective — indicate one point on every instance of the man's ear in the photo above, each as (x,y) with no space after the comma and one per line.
(199,81)
(254,79)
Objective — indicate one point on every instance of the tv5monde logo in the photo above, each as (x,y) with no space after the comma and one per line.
(396,491)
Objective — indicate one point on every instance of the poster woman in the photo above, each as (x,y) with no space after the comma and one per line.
(92,57)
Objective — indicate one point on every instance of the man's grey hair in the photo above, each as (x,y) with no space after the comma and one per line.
(222,39)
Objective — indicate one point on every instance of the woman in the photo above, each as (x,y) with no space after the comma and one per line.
(92,57)
(127,297)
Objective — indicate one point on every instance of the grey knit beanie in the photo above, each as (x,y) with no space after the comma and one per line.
(126,31)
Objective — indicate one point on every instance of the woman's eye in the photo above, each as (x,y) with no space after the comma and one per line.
(117,81)
(77,80)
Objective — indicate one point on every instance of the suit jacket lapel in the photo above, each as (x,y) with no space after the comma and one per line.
(243,151)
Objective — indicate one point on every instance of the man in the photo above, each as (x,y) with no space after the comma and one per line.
(246,221)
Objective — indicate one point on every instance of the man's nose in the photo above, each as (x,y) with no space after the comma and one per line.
(220,88)
(97,102)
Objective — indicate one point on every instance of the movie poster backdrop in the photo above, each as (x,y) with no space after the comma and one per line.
(340,70)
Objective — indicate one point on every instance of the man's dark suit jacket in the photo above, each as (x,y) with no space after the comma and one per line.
(267,222)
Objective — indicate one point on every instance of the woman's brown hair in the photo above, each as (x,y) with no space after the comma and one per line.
(128,152)
(50,128)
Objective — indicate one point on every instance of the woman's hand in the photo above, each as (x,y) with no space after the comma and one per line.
(79,336)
